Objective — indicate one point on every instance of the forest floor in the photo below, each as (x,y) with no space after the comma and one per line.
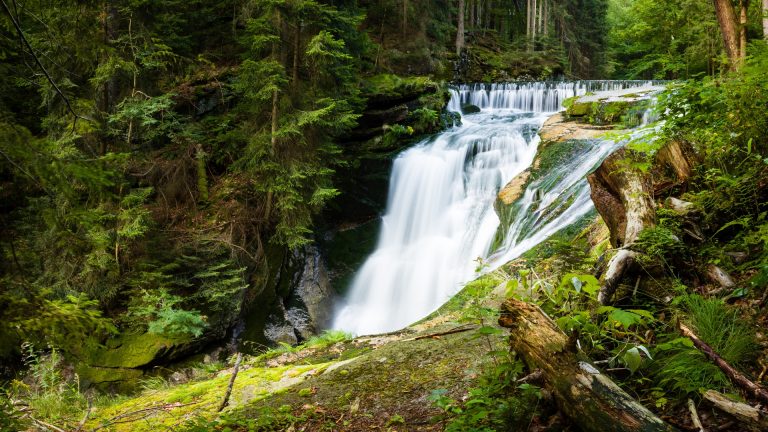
(380,382)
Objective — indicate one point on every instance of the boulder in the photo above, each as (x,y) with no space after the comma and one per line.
(470,109)
(515,188)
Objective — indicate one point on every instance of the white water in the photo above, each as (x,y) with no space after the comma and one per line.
(440,217)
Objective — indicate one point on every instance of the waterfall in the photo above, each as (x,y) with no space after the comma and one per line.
(439,217)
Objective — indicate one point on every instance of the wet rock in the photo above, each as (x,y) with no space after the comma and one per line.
(515,188)
(557,128)
(280,333)
(719,276)
(469,109)
(608,107)
(304,302)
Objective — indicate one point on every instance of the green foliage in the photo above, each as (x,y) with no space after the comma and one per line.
(653,39)
(721,328)
(659,243)
(683,371)
(158,309)
(11,418)
(144,119)
(497,403)
(682,368)
(48,392)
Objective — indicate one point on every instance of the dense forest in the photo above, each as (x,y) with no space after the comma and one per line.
(171,169)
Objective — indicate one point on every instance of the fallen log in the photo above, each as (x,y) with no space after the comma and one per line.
(748,416)
(590,399)
(737,377)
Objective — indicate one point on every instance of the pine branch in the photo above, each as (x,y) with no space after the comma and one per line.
(40,65)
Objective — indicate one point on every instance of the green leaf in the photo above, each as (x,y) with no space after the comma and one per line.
(576,284)
(632,359)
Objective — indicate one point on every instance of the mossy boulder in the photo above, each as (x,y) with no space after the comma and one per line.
(386,89)
(118,362)
(579,109)
(469,109)
(610,107)
(133,350)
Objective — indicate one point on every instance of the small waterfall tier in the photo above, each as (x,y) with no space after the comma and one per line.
(439,217)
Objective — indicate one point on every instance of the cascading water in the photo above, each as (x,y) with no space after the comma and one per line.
(440,217)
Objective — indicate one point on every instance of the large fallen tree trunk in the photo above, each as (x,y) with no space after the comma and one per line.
(590,399)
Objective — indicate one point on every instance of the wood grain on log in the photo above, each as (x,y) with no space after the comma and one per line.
(749,416)
(590,399)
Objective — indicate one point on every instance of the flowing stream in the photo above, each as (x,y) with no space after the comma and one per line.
(440,218)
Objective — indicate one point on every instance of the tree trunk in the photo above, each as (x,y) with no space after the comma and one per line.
(749,417)
(528,19)
(622,195)
(460,29)
(471,17)
(728,28)
(534,17)
(405,17)
(765,19)
(296,57)
(590,399)
(743,6)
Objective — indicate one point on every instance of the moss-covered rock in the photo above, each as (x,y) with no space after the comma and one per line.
(369,379)
(469,109)
(122,380)
(610,107)
(132,350)
(117,363)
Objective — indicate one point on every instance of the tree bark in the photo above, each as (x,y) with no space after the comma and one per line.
(622,195)
(727,20)
(296,58)
(528,19)
(405,17)
(460,28)
(750,417)
(765,19)
(590,399)
(743,6)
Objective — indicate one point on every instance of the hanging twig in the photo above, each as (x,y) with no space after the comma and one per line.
(225,401)
(40,65)
(737,377)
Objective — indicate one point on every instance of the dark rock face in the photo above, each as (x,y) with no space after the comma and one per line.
(300,300)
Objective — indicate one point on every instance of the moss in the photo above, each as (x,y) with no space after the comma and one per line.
(395,378)
(478,289)
(605,113)
(577,109)
(109,379)
(130,350)
(168,407)
(388,88)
